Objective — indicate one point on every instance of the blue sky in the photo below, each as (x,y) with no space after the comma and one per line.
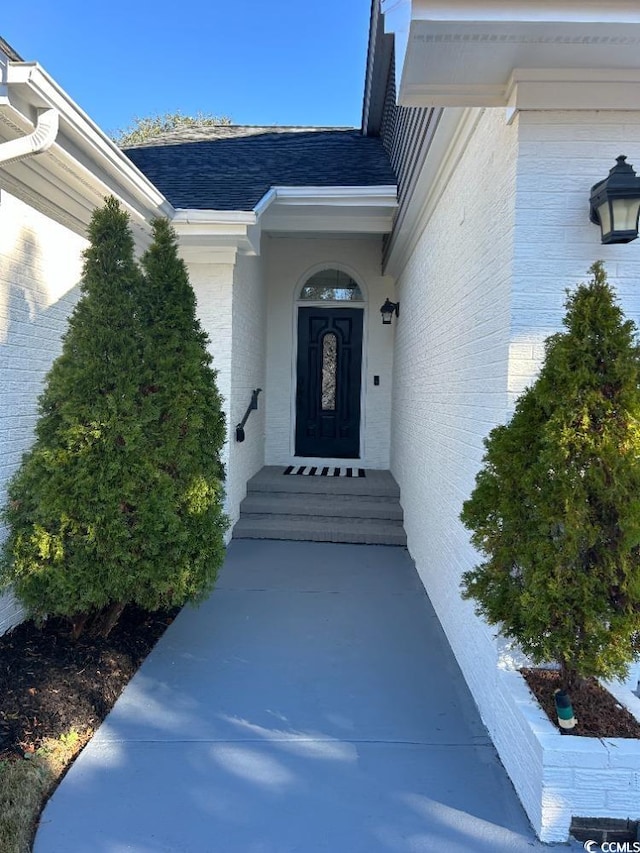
(286,62)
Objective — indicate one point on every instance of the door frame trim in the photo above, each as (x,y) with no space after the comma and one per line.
(309,303)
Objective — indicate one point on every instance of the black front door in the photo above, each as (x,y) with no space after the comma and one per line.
(328,389)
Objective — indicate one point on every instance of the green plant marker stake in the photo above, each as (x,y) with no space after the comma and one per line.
(564,710)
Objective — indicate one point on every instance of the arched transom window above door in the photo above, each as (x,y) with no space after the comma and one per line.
(331,286)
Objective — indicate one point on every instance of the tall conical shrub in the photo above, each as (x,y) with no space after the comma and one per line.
(556,506)
(119,499)
(184,427)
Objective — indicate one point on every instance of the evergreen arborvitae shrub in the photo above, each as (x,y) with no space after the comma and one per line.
(120,498)
(556,506)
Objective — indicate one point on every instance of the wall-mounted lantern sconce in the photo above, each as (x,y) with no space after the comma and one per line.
(615,203)
(388,310)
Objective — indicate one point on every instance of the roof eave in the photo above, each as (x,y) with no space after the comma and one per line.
(216,236)
(345,210)
(466,53)
(82,167)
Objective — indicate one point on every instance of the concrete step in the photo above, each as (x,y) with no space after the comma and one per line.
(326,529)
(362,510)
(374,484)
(316,505)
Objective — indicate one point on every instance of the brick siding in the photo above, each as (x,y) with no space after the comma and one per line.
(40,269)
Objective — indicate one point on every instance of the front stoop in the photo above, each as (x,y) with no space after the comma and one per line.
(359,510)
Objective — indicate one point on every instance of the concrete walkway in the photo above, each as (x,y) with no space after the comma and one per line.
(311,704)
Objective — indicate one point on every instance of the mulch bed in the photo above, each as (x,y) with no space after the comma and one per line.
(50,683)
(598,713)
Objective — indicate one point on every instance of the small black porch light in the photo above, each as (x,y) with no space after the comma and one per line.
(388,310)
(615,203)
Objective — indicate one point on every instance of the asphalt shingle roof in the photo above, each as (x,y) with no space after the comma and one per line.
(231,167)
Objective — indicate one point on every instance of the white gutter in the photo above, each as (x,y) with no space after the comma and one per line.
(358,196)
(41,139)
(34,85)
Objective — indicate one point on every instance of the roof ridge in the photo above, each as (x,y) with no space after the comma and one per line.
(291,126)
(217,132)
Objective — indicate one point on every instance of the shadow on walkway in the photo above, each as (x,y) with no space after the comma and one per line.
(311,704)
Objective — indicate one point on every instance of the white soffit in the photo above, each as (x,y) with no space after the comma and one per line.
(349,210)
(215,236)
(465,52)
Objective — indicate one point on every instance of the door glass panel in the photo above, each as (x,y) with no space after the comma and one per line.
(329,371)
(331,286)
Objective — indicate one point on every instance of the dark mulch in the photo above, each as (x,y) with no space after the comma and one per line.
(50,683)
(598,713)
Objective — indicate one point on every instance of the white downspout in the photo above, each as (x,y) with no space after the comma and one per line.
(41,139)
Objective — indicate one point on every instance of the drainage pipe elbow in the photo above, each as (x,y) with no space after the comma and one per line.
(41,139)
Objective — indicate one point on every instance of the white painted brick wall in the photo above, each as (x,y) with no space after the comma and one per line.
(450,379)
(562,154)
(289,261)
(231,308)
(40,269)
(11,612)
(213,287)
(248,373)
(484,287)
(568,776)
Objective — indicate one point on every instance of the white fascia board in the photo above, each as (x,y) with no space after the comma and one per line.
(580,11)
(80,134)
(463,52)
(338,197)
(368,195)
(573,88)
(215,218)
(220,233)
(347,210)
